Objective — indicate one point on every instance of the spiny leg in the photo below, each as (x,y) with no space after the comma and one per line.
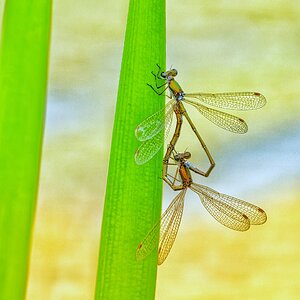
(166,175)
(156,77)
(158,72)
(172,183)
(176,174)
(156,90)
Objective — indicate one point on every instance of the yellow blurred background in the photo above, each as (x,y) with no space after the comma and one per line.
(217,46)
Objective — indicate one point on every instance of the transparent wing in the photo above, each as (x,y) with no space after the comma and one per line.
(236,100)
(221,119)
(256,215)
(168,227)
(221,211)
(168,119)
(155,123)
(150,147)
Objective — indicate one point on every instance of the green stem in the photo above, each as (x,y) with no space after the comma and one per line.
(133,193)
(23,78)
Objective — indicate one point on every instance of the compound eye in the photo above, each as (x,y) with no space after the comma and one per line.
(174,71)
(187,155)
(163,75)
(176,157)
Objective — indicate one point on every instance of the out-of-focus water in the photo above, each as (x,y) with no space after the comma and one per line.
(261,165)
(265,165)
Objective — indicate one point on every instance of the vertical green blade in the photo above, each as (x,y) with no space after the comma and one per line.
(133,193)
(23,78)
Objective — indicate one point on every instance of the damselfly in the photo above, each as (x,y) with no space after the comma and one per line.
(151,130)
(229,211)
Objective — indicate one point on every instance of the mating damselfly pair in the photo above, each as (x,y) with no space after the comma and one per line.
(229,211)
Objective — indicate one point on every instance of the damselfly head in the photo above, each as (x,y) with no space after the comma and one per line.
(181,156)
(186,155)
(169,74)
(172,72)
(177,157)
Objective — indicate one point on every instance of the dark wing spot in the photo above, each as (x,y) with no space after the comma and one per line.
(245,217)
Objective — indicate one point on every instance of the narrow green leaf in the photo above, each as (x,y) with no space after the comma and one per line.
(23,78)
(133,193)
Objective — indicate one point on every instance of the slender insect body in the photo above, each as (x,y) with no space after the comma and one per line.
(185,175)
(179,108)
(176,90)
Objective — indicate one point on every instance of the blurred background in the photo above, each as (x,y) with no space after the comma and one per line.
(217,46)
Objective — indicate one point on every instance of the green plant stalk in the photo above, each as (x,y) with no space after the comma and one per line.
(133,193)
(23,78)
